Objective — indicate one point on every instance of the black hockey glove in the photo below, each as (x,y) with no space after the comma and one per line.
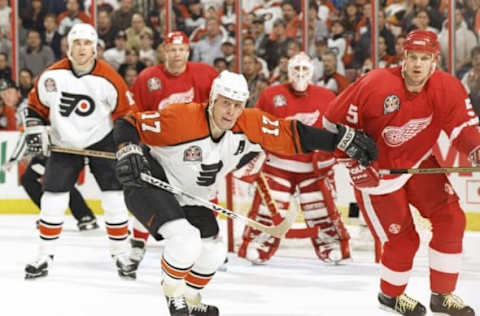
(36,139)
(356,145)
(130,164)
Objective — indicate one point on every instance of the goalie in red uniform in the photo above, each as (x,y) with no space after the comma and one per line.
(191,146)
(404,109)
(310,174)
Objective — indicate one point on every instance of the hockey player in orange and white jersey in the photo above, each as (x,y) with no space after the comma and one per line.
(78,98)
(191,146)
(175,81)
(404,109)
(311,174)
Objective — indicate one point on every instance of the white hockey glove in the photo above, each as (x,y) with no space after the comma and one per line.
(37,140)
(356,145)
(130,164)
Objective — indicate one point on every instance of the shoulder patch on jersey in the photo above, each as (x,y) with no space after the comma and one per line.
(192,153)
(279,100)
(50,85)
(154,83)
(391,104)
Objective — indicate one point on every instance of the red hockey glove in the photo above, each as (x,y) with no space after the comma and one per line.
(474,156)
(363,177)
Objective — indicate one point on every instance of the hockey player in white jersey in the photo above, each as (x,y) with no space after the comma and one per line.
(79,98)
(191,146)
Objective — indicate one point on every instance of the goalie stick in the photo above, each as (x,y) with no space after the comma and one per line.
(277,231)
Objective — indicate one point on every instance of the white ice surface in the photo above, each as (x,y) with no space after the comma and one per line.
(83,280)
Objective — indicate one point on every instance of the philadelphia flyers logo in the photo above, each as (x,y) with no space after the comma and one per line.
(82,104)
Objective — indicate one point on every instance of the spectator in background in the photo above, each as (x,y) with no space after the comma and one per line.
(320,48)
(338,44)
(422,22)
(251,72)
(131,74)
(51,36)
(138,28)
(35,56)
(156,20)
(147,54)
(350,17)
(100,49)
(317,28)
(293,48)
(249,49)
(280,73)
(209,47)
(471,80)
(116,55)
(383,58)
(63,47)
(331,78)
(398,57)
(5,11)
(195,19)
(290,16)
(122,17)
(33,15)
(257,31)
(8,122)
(220,64)
(73,15)
(436,17)
(228,50)
(25,81)
(5,69)
(105,28)
(465,41)
(277,44)
(5,42)
(131,60)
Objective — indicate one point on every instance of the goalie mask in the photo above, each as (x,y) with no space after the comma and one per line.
(300,71)
(82,31)
(231,85)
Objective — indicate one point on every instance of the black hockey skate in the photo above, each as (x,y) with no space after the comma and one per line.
(87,223)
(177,306)
(403,305)
(126,268)
(203,310)
(39,268)
(449,304)
(137,252)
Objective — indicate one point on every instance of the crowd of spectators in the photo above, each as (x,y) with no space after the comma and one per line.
(131,33)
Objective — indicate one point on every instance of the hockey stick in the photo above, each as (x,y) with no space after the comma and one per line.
(84,152)
(383,172)
(277,231)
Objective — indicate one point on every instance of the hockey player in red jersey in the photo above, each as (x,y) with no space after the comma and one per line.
(79,98)
(191,146)
(311,174)
(176,81)
(404,109)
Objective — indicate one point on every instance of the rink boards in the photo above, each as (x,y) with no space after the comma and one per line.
(13,199)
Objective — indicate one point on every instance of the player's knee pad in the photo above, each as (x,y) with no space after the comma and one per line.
(399,251)
(182,242)
(212,255)
(114,207)
(448,227)
(53,206)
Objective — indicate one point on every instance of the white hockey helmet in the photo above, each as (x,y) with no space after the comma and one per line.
(82,31)
(231,85)
(300,71)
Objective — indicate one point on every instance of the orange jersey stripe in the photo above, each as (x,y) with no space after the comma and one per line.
(196,280)
(50,232)
(117,231)
(174,272)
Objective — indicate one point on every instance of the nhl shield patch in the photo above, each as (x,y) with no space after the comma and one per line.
(279,100)
(391,104)
(50,85)
(192,153)
(154,83)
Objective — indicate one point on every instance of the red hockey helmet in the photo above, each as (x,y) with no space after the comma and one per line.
(176,37)
(420,40)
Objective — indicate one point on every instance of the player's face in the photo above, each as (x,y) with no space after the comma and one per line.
(417,69)
(226,112)
(176,56)
(82,52)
